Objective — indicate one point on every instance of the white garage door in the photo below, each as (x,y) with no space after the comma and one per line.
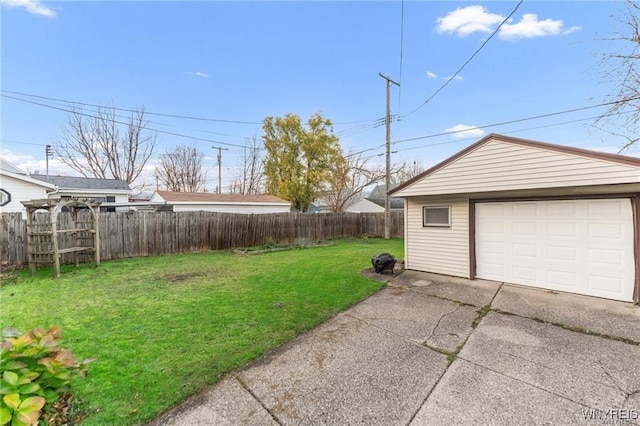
(578,246)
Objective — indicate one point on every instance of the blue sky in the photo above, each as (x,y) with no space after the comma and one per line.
(244,61)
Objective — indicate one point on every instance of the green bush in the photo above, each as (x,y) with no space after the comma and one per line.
(36,372)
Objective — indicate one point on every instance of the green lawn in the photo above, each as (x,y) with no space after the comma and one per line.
(162,328)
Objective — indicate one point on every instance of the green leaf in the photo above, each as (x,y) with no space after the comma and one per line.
(12,400)
(32,403)
(5,416)
(29,411)
(13,365)
(29,388)
(10,377)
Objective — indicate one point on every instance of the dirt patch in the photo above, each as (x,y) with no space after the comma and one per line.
(177,278)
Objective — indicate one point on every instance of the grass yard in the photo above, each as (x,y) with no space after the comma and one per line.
(162,328)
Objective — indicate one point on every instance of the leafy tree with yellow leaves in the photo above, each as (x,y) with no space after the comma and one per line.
(298,157)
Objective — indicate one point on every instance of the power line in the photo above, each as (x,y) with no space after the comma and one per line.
(446,83)
(535,117)
(185,117)
(120,122)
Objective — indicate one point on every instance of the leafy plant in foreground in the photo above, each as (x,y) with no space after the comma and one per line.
(36,372)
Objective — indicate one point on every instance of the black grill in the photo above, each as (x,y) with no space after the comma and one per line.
(383,261)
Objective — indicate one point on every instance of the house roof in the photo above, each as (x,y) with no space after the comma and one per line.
(207,197)
(7,166)
(26,178)
(377,196)
(561,149)
(74,182)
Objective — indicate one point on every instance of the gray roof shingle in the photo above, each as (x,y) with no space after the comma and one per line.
(73,182)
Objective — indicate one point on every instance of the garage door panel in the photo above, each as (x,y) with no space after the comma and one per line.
(566,279)
(606,231)
(524,228)
(562,229)
(579,246)
(561,252)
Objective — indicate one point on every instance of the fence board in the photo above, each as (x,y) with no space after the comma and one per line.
(134,234)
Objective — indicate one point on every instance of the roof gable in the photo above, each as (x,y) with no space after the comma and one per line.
(8,167)
(27,179)
(499,162)
(207,197)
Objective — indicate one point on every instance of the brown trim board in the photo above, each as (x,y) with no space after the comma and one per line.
(635,207)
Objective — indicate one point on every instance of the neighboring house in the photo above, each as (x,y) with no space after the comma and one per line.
(529,213)
(320,206)
(374,202)
(112,192)
(223,203)
(16,186)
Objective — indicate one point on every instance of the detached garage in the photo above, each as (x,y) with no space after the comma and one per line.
(528,213)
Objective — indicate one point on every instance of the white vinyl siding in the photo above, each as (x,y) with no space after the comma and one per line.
(503,166)
(20,190)
(437,249)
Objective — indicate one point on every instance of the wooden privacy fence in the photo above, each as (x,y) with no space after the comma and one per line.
(133,234)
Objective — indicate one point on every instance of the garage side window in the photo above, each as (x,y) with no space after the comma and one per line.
(438,216)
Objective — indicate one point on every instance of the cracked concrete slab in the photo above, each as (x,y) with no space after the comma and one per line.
(477,292)
(426,320)
(472,394)
(601,316)
(227,403)
(596,372)
(345,372)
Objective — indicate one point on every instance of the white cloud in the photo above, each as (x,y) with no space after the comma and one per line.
(32,6)
(468,20)
(477,19)
(197,74)
(30,164)
(432,74)
(529,27)
(573,29)
(464,131)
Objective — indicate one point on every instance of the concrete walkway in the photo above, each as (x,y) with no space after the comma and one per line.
(430,349)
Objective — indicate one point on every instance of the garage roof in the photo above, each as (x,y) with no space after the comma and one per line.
(497,163)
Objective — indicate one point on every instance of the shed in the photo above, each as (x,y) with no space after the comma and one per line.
(222,203)
(530,213)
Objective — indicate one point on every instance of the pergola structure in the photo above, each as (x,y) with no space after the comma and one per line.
(44,237)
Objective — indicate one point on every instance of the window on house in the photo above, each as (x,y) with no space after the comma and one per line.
(5,197)
(110,199)
(439,216)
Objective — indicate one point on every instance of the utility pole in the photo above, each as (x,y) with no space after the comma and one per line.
(220,167)
(387,201)
(48,153)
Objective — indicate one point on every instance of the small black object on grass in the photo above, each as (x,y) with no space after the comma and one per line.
(383,261)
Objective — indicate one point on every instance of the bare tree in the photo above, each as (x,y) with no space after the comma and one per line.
(350,175)
(249,178)
(181,170)
(622,68)
(99,145)
(406,171)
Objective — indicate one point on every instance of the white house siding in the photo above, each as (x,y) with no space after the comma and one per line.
(503,166)
(231,208)
(20,190)
(439,250)
(365,206)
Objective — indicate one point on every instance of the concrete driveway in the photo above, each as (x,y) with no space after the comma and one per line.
(430,349)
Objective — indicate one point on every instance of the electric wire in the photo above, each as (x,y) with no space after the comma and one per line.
(119,122)
(446,83)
